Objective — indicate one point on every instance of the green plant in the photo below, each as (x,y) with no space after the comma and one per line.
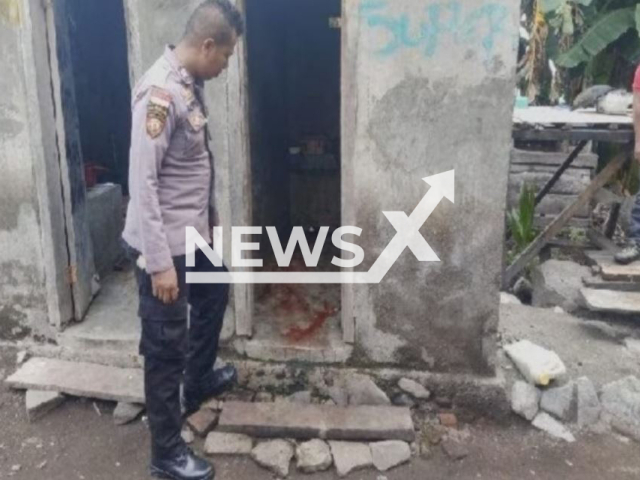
(521,220)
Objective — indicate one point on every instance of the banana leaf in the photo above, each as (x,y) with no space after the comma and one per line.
(603,32)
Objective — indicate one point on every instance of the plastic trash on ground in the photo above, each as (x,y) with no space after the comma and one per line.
(537,364)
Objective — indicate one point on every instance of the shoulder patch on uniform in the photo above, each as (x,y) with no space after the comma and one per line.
(157,111)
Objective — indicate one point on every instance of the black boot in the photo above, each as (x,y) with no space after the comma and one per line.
(182,465)
(212,385)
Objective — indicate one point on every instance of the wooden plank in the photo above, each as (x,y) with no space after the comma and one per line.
(329,422)
(574,135)
(565,116)
(572,182)
(597,283)
(536,157)
(556,176)
(80,379)
(615,272)
(610,301)
(556,226)
(575,222)
(553,204)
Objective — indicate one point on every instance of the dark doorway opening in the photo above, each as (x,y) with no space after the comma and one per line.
(294,54)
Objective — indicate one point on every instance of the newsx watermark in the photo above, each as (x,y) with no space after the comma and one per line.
(407,236)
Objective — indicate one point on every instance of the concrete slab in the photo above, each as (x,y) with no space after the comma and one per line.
(288,420)
(112,322)
(80,379)
(611,301)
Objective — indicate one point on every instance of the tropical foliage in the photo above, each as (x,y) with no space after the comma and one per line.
(587,42)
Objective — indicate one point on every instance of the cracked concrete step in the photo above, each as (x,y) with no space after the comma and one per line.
(597,283)
(611,301)
(286,420)
(80,379)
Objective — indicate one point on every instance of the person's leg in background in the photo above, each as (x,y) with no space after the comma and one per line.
(208,305)
(632,252)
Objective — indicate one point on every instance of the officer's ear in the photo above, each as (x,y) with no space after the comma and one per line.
(209,45)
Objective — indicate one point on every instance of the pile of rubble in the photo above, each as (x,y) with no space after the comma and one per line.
(561,406)
(343,420)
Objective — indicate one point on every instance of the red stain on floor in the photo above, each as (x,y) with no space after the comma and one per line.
(319,318)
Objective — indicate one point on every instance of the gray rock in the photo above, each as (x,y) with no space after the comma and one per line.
(589,407)
(274,455)
(509,299)
(300,397)
(547,423)
(403,400)
(558,283)
(350,456)
(339,395)
(633,345)
(22,357)
(264,397)
(187,436)
(40,403)
(414,389)
(560,402)
(621,401)
(523,288)
(362,390)
(387,455)
(525,400)
(218,443)
(455,449)
(313,456)
(126,412)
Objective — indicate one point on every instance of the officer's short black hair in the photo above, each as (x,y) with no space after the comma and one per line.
(214,19)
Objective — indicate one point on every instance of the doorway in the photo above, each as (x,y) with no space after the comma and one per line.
(293,60)
(90,76)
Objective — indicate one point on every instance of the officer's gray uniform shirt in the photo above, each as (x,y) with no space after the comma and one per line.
(170,168)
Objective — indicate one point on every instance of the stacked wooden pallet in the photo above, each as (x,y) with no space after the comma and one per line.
(535,168)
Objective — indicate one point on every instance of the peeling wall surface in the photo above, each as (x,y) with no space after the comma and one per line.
(23,304)
(428,87)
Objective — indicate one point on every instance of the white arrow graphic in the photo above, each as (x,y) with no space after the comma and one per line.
(407,236)
(442,186)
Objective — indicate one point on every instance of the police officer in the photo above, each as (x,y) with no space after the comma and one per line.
(170,180)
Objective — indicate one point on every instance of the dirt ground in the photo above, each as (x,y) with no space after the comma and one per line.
(80,441)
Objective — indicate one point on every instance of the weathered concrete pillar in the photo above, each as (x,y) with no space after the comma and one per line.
(23,293)
(428,87)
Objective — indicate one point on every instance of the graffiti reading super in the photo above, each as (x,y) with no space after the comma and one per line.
(426,29)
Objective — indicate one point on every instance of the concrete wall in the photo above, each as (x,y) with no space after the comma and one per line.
(428,87)
(23,292)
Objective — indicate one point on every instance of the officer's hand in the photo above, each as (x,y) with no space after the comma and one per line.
(637,152)
(165,286)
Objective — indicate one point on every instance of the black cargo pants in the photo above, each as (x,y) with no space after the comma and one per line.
(178,344)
